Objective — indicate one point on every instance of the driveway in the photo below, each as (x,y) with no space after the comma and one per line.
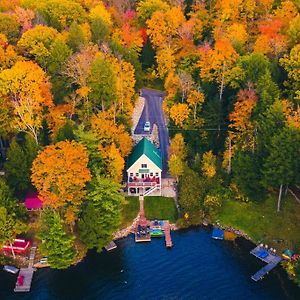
(153,112)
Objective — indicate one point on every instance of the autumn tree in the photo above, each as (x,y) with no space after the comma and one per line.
(46,45)
(9,26)
(61,13)
(195,100)
(177,156)
(26,90)
(217,64)
(179,113)
(243,128)
(24,17)
(209,164)
(60,174)
(108,132)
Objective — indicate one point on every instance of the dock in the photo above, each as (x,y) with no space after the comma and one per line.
(24,279)
(266,256)
(142,229)
(112,245)
(167,231)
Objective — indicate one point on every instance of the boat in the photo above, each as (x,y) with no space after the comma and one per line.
(156,233)
(11,269)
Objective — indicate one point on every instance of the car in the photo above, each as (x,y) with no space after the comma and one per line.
(147,126)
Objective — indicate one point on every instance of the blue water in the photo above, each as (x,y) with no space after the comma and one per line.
(197,267)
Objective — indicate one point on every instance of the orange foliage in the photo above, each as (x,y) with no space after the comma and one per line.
(243,133)
(58,116)
(108,133)
(60,174)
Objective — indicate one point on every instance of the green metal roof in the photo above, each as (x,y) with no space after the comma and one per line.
(147,148)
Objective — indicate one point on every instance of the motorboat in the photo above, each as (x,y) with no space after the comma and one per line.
(11,269)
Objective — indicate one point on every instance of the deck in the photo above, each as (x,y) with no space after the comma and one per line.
(26,274)
(270,258)
(167,230)
(112,245)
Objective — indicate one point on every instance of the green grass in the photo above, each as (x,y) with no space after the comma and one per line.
(262,223)
(161,208)
(129,211)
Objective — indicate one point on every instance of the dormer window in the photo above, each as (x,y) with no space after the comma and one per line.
(144,166)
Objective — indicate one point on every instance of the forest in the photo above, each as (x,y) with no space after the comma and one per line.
(70,73)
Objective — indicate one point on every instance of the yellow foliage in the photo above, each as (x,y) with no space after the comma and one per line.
(101,12)
(108,133)
(209,162)
(26,87)
(165,62)
(179,113)
(178,147)
(114,161)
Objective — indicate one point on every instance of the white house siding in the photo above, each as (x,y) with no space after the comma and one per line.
(136,168)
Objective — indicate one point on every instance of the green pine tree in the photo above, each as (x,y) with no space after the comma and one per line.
(282,165)
(102,213)
(56,243)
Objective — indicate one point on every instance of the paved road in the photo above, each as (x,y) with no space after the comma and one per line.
(153,112)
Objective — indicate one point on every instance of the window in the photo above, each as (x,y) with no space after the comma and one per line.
(131,174)
(151,174)
(156,174)
(144,166)
(137,174)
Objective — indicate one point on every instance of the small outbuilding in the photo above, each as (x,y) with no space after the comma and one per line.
(33,202)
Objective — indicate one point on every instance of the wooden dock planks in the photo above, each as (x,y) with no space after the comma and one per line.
(271,259)
(27,274)
(167,231)
(112,245)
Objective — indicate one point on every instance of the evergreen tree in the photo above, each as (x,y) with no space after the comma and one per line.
(12,216)
(16,167)
(101,214)
(246,169)
(19,162)
(56,244)
(282,165)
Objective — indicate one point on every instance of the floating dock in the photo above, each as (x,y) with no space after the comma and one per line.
(24,279)
(268,257)
(112,245)
(167,231)
(218,234)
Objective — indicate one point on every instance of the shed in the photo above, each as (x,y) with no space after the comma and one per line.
(33,202)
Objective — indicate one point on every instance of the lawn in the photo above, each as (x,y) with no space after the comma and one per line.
(129,211)
(262,223)
(161,208)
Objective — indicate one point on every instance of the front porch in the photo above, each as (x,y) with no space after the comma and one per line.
(142,187)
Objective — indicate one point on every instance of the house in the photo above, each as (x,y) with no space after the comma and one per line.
(144,166)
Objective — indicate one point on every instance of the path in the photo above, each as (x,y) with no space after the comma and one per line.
(153,112)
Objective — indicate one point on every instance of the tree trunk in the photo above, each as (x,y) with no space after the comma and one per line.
(229,154)
(12,250)
(2,148)
(279,198)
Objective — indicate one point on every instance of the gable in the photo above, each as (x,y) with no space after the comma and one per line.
(145,147)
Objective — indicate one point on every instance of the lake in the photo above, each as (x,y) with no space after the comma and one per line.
(197,267)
